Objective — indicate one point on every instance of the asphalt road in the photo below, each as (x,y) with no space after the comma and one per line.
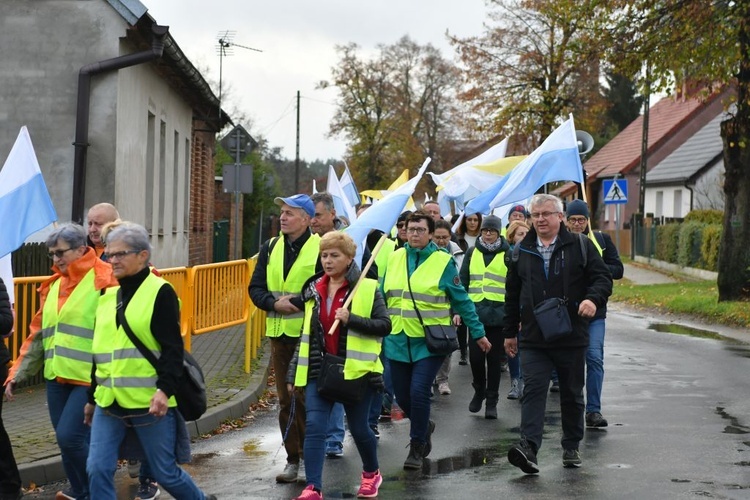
(679,413)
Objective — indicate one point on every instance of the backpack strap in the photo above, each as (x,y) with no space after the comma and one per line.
(272,244)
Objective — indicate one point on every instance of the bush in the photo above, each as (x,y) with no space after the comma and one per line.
(705,216)
(710,241)
(689,244)
(666,242)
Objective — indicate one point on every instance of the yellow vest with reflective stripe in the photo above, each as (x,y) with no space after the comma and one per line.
(599,249)
(382,258)
(432,302)
(487,282)
(362,350)
(67,335)
(302,269)
(122,373)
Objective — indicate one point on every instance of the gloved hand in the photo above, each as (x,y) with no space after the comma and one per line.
(376,382)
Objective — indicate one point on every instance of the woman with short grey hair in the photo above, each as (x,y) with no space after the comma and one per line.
(127,391)
(60,341)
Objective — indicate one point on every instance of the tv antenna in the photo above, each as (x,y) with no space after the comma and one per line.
(225,45)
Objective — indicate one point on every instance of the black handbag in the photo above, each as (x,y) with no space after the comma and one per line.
(553,318)
(334,387)
(191,392)
(441,340)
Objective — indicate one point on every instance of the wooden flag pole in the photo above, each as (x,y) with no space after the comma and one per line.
(367,267)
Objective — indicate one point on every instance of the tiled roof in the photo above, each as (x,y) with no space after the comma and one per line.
(623,153)
(695,153)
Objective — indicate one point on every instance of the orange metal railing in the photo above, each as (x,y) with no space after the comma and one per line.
(212,297)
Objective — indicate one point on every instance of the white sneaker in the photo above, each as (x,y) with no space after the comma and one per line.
(444,389)
(301,476)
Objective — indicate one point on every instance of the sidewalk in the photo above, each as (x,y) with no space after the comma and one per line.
(644,275)
(230,392)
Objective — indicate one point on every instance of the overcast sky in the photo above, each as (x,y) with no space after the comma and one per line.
(298,40)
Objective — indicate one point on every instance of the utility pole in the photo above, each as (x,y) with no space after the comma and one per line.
(644,148)
(296,158)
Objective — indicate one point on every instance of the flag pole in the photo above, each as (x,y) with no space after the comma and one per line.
(362,276)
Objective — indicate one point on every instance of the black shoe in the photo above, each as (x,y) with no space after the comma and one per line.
(476,402)
(385,414)
(428,440)
(375,431)
(490,406)
(522,456)
(416,456)
(571,458)
(595,419)
(555,386)
(464,360)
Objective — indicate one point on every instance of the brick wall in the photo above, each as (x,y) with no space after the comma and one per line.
(201,195)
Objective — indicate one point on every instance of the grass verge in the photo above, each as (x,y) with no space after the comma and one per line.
(697,298)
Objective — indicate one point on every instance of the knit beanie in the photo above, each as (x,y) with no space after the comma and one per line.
(492,222)
(577,207)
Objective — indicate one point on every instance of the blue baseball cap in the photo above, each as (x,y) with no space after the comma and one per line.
(298,201)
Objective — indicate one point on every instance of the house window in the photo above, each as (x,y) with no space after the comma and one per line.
(150,159)
(606,212)
(175,179)
(162,180)
(659,210)
(678,203)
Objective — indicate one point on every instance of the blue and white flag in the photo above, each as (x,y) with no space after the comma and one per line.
(557,159)
(340,201)
(383,214)
(25,205)
(347,185)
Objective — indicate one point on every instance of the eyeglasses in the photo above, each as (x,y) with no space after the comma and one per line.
(58,253)
(441,238)
(487,230)
(119,255)
(416,230)
(546,215)
(577,220)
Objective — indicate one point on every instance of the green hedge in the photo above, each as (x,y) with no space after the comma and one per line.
(690,244)
(705,216)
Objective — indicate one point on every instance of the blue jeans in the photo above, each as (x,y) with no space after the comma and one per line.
(335,432)
(595,366)
(411,386)
(514,365)
(65,403)
(318,412)
(383,399)
(157,437)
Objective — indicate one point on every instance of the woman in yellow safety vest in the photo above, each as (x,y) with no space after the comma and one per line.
(483,275)
(127,391)
(357,338)
(60,341)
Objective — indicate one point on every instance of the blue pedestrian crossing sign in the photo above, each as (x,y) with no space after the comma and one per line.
(615,191)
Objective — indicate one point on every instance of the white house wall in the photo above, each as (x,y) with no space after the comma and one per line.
(709,189)
(670,195)
(152,184)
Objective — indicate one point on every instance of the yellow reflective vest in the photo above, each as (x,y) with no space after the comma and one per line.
(362,350)
(302,269)
(432,302)
(599,249)
(487,282)
(382,258)
(122,373)
(67,335)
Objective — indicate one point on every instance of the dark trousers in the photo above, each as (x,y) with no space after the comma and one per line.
(485,368)
(537,366)
(411,386)
(294,437)
(10,479)
(463,334)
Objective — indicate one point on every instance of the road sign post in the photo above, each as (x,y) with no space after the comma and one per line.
(238,143)
(616,193)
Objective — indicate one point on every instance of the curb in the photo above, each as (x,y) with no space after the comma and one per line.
(50,469)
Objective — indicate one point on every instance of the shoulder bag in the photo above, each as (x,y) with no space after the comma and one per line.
(552,314)
(191,392)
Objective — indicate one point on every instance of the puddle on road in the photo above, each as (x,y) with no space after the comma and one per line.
(735,427)
(253,449)
(468,459)
(685,330)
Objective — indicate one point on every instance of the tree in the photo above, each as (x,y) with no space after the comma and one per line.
(698,43)
(395,108)
(539,62)
(624,99)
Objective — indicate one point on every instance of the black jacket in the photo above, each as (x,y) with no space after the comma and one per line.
(490,312)
(378,325)
(526,285)
(6,321)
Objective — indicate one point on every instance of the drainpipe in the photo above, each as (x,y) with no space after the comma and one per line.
(691,194)
(82,111)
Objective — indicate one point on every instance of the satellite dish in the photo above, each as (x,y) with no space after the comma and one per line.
(585,142)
